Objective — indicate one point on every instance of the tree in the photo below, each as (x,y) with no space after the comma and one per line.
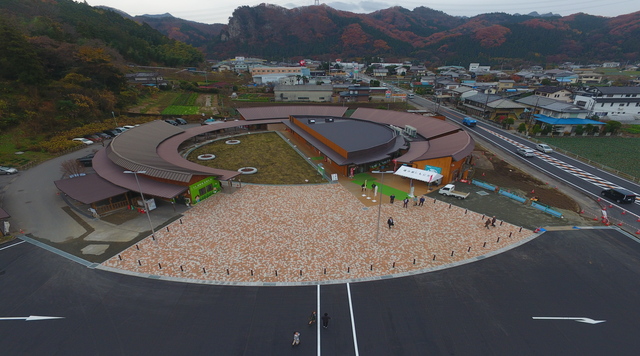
(508,122)
(612,126)
(522,127)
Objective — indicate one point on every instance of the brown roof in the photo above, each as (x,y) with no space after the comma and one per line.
(136,150)
(89,189)
(4,214)
(271,112)
(168,150)
(115,174)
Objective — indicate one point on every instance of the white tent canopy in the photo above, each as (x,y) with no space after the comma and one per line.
(419,174)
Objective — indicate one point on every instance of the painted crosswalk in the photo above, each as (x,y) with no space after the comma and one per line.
(575,171)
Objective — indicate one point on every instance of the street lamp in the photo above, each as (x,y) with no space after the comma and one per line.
(114,118)
(380,200)
(144,202)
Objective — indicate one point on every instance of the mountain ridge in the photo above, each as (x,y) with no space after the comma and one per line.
(421,34)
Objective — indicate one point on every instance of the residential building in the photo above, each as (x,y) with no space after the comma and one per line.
(552,108)
(589,78)
(556,93)
(477,68)
(153,79)
(505,84)
(610,101)
(492,107)
(306,92)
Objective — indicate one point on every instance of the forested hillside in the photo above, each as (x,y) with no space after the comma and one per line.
(426,35)
(62,63)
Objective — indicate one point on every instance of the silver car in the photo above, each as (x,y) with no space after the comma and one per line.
(525,152)
(542,147)
(8,170)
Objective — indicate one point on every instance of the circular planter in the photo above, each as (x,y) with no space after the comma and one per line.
(248,170)
(206,157)
(232,142)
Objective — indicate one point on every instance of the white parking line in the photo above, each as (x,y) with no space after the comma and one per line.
(318,318)
(353,323)
(16,244)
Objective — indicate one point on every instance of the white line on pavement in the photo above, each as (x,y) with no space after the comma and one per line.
(353,323)
(15,244)
(318,319)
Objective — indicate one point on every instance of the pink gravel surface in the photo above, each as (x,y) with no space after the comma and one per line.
(310,233)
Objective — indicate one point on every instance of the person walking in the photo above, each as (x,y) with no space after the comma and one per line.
(392,198)
(390,222)
(493,221)
(421,201)
(415,200)
(405,202)
(296,339)
(487,223)
(325,320)
(312,318)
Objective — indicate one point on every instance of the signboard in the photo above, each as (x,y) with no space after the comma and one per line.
(334,177)
(151,204)
(387,93)
(433,169)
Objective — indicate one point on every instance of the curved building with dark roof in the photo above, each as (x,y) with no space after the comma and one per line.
(367,140)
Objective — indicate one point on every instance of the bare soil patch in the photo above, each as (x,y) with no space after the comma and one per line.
(492,169)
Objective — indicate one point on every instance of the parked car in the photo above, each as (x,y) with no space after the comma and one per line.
(112,132)
(525,152)
(449,190)
(121,129)
(172,122)
(128,127)
(87,160)
(619,195)
(542,147)
(181,121)
(83,140)
(103,135)
(94,138)
(8,170)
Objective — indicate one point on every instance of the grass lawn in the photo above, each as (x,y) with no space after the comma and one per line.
(276,161)
(384,189)
(619,153)
(181,110)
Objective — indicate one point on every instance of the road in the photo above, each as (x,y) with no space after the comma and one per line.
(526,301)
(580,176)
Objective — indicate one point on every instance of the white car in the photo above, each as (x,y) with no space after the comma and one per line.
(525,152)
(544,148)
(83,140)
(8,170)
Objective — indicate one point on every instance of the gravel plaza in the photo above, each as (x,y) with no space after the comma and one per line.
(311,234)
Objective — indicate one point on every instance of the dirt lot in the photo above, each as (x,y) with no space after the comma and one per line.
(492,169)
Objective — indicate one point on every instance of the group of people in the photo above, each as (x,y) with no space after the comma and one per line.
(490,222)
(313,318)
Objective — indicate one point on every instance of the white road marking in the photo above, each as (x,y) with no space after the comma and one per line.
(15,244)
(575,171)
(578,319)
(318,318)
(32,318)
(353,323)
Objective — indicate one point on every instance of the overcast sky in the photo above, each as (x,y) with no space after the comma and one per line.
(219,11)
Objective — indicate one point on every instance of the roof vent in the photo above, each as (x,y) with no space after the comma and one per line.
(328,120)
(312,121)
